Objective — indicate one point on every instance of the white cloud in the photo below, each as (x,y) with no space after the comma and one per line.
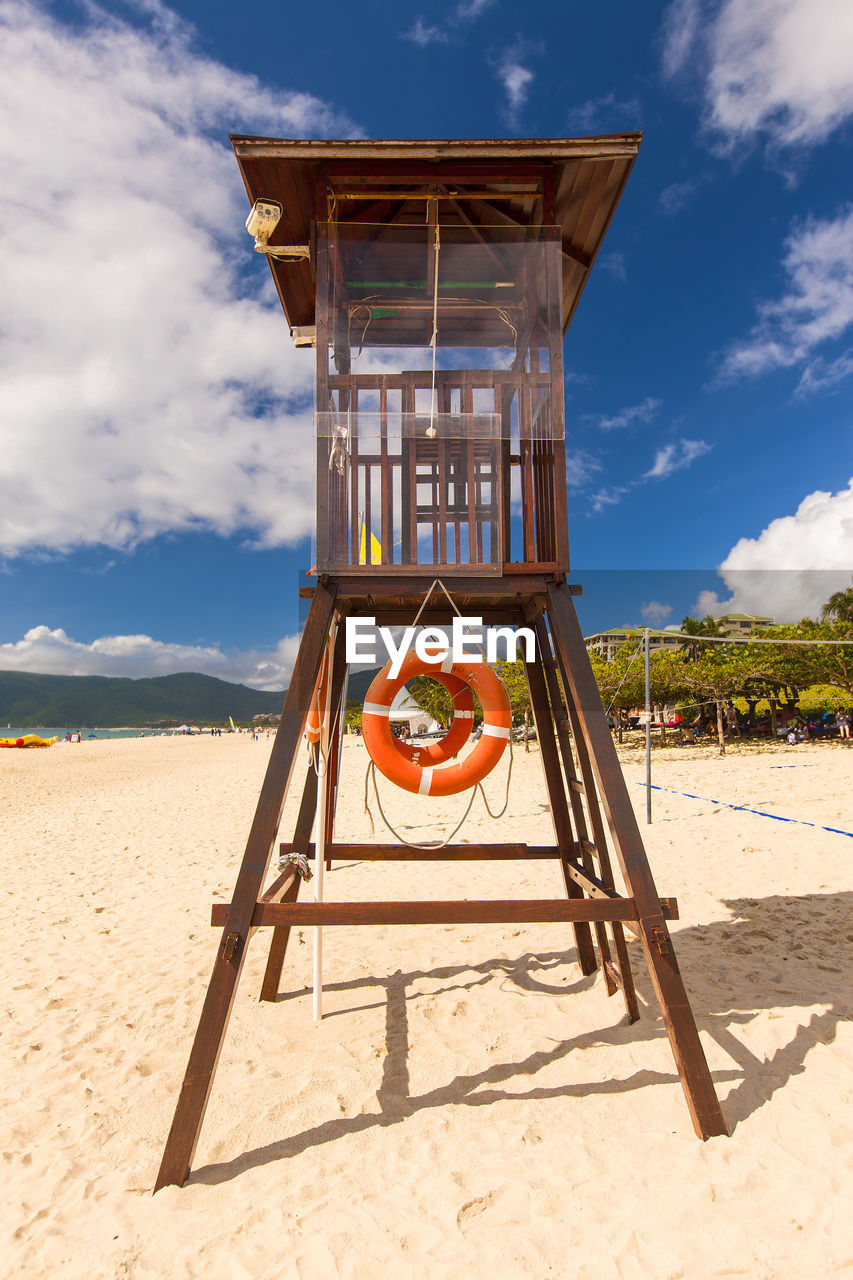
(675,457)
(54,652)
(821,374)
(816,307)
(672,457)
(655,612)
(580,468)
(468,10)
(678,194)
(145,387)
(781,69)
(614,263)
(609,497)
(681,27)
(423,35)
(604,114)
(516,80)
(643,412)
(793,566)
(782,66)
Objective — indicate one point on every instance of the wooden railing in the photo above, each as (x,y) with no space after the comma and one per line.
(442,501)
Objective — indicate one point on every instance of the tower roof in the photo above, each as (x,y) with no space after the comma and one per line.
(573,183)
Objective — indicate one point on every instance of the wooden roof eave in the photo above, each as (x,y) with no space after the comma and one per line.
(303,160)
(595,147)
(569,310)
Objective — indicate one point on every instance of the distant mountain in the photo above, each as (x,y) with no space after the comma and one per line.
(28,700)
(359,683)
(109,702)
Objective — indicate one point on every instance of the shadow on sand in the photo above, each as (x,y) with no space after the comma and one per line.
(776,952)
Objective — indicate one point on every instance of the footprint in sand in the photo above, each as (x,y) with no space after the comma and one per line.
(474,1208)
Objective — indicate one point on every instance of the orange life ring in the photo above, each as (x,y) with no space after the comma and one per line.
(452,778)
(458,733)
(317,710)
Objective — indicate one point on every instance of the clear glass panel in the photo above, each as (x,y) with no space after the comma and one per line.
(410,489)
(482,307)
(439,373)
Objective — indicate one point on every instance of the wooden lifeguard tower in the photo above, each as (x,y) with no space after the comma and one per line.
(436,282)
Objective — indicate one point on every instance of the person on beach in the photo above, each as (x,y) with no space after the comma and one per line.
(843,721)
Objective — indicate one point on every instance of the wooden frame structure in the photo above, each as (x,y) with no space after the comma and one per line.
(573,185)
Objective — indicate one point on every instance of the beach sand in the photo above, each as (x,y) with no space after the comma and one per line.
(470,1103)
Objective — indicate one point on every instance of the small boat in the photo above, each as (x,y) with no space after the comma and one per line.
(29,740)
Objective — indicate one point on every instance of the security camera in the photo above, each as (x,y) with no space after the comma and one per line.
(263,220)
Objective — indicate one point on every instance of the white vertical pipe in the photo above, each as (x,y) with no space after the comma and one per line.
(320,838)
(648,734)
(319,869)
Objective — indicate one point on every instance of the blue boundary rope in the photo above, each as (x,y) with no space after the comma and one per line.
(745,809)
(793,766)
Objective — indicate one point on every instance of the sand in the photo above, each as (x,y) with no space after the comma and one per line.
(470,1104)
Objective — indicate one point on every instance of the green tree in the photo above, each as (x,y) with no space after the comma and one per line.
(514,678)
(800,667)
(694,627)
(667,682)
(433,698)
(723,671)
(352,714)
(621,682)
(839,607)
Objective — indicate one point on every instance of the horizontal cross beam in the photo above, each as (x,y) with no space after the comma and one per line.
(515,911)
(448,853)
(518,580)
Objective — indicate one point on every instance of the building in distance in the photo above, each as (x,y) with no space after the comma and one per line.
(742,624)
(606,644)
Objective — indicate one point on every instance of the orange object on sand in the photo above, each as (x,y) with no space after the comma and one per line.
(317,710)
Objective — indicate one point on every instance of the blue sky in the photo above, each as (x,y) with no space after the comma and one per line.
(155,504)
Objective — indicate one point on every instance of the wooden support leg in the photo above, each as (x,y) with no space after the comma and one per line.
(284,889)
(333,766)
(281,932)
(605,867)
(559,809)
(680,1024)
(586,785)
(204,1055)
(578,816)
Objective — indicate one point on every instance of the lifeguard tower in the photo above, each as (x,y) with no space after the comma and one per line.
(436,282)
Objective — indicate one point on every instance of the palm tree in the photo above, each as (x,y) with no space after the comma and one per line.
(691,626)
(839,606)
(432,698)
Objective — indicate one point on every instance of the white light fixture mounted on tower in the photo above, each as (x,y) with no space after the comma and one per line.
(262,221)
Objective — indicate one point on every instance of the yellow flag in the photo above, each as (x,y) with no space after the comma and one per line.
(375,548)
